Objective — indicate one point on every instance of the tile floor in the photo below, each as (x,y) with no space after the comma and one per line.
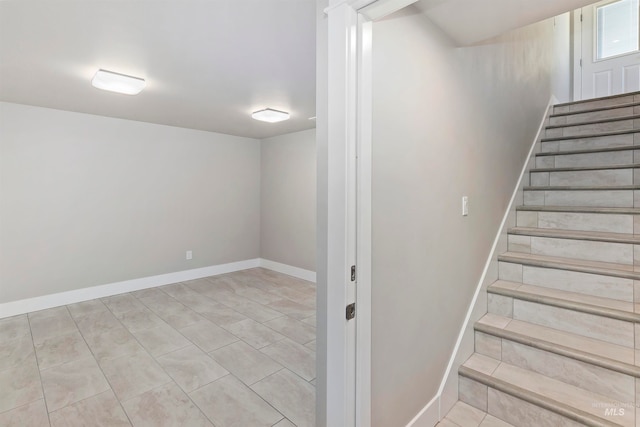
(230,350)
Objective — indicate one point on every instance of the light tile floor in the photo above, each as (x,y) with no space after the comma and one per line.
(230,350)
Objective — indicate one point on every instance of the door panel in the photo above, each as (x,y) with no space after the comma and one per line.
(610,32)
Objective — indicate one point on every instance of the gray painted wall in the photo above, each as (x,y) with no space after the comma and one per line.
(288,199)
(89,200)
(448,122)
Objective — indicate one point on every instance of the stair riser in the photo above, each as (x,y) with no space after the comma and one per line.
(607,158)
(592,198)
(604,177)
(590,143)
(508,408)
(571,281)
(599,103)
(593,115)
(594,128)
(589,325)
(580,374)
(621,253)
(577,221)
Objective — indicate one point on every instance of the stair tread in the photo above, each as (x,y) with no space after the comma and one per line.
(597,109)
(585,101)
(602,349)
(570,264)
(586,168)
(607,307)
(579,209)
(581,188)
(529,385)
(587,136)
(558,233)
(596,121)
(591,150)
(463,414)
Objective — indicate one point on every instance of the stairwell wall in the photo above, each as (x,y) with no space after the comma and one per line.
(448,122)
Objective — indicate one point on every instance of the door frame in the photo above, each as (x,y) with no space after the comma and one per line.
(344,389)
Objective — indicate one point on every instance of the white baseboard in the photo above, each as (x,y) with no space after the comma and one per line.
(78,295)
(429,416)
(300,273)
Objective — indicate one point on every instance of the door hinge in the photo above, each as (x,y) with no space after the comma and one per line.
(353,273)
(581,62)
(351,311)
(580,17)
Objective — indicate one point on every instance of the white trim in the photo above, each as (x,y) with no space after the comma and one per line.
(290,270)
(577,55)
(492,254)
(78,295)
(429,415)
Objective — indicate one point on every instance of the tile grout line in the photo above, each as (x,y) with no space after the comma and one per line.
(35,354)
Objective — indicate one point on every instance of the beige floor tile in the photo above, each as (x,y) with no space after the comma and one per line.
(71,382)
(16,352)
(61,349)
(293,309)
(222,315)
(61,311)
(482,363)
(446,423)
(245,362)
(122,303)
(249,308)
(45,327)
(145,293)
(113,343)
(296,330)
(101,410)
(254,333)
(133,375)
(139,318)
(227,402)
(97,322)
(33,414)
(491,421)
(208,336)
(165,406)
(179,316)
(465,415)
(297,358)
(284,423)
(310,321)
(86,307)
(14,327)
(20,385)
(161,340)
(258,295)
(292,396)
(311,345)
(195,301)
(191,368)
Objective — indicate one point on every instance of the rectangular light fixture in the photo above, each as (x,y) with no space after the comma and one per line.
(270,115)
(116,82)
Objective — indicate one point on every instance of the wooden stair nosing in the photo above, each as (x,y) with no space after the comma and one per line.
(589,236)
(568,266)
(567,304)
(582,356)
(535,398)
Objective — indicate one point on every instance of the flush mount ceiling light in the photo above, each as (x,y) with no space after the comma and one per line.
(116,82)
(270,115)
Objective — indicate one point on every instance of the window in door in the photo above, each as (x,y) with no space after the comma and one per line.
(617,28)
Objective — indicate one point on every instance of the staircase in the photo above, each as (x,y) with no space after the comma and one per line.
(558,344)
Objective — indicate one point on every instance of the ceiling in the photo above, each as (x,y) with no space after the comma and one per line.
(208,63)
(471,21)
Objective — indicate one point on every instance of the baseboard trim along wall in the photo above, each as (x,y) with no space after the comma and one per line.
(439,406)
(15,308)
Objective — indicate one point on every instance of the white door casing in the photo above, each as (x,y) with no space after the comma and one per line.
(600,77)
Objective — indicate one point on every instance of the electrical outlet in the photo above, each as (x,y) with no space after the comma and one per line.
(189,254)
(465,205)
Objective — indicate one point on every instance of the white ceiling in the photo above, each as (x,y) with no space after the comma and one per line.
(472,21)
(208,63)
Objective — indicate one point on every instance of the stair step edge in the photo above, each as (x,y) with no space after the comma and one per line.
(591,236)
(590,150)
(535,398)
(566,303)
(588,136)
(567,264)
(595,122)
(583,356)
(579,209)
(581,188)
(585,101)
(598,109)
(586,168)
